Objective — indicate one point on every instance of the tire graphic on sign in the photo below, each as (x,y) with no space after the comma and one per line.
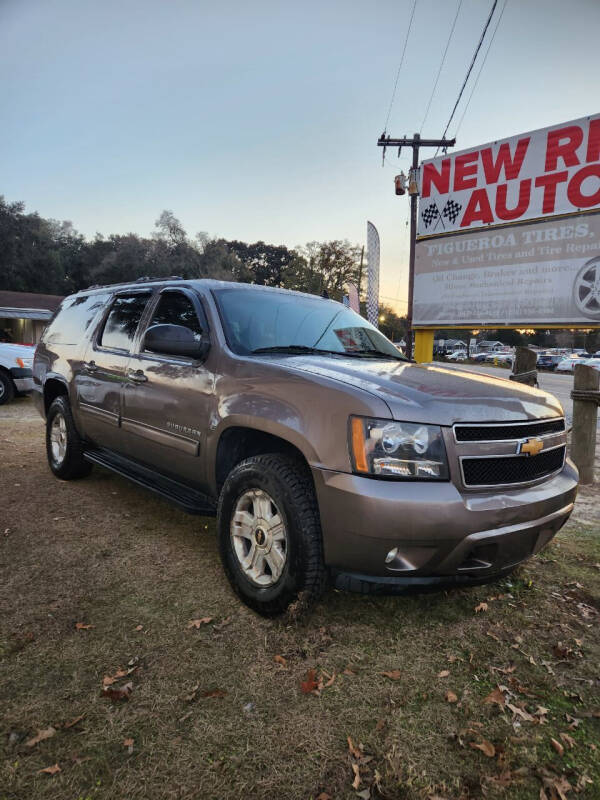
(586,289)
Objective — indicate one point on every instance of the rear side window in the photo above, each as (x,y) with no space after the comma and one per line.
(73,318)
(122,322)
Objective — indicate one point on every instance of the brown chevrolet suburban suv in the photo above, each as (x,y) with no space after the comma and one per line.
(323,451)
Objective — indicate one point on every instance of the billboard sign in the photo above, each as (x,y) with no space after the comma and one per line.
(542,272)
(543,173)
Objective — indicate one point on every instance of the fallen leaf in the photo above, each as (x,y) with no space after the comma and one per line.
(197,623)
(324,796)
(40,736)
(354,751)
(214,693)
(487,748)
(348,671)
(393,675)
(330,682)
(280,660)
(310,683)
(444,673)
(108,680)
(558,747)
(520,712)
(117,694)
(504,670)
(568,740)
(481,607)
(127,742)
(139,627)
(364,795)
(50,770)
(451,697)
(380,725)
(356,781)
(74,721)
(497,697)
(81,626)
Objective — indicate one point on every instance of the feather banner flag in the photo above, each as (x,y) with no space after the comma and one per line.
(372,274)
(353,298)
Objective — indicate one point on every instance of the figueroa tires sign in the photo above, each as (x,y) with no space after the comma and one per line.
(481,258)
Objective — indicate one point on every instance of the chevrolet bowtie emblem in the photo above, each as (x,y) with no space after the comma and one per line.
(531,447)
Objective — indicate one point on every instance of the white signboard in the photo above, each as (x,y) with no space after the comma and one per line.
(543,272)
(543,173)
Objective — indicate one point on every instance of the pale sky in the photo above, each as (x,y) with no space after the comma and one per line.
(260,120)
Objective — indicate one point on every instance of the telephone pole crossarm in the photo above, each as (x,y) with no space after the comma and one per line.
(415,142)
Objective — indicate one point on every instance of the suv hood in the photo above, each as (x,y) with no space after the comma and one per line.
(432,393)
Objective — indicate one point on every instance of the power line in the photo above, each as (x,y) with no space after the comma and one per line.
(477,49)
(439,72)
(482,66)
(387,119)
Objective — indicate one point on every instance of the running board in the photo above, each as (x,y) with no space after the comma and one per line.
(185,497)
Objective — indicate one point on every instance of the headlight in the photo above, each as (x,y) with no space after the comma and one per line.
(397,449)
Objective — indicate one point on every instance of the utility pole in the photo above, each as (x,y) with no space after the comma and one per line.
(416,142)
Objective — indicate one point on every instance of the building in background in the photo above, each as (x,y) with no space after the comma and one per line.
(24,315)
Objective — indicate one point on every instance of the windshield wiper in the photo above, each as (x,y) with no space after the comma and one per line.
(376,354)
(296,349)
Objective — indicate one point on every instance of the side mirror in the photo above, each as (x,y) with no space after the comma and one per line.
(176,340)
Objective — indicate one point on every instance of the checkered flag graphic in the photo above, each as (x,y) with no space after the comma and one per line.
(451,210)
(430,214)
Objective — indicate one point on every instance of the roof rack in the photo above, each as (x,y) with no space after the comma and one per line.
(143,279)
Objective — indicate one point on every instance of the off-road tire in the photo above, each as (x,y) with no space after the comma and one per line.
(7,388)
(289,483)
(73,466)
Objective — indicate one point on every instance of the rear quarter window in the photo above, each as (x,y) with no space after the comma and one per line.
(73,318)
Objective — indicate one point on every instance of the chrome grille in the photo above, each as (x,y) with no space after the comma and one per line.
(502,431)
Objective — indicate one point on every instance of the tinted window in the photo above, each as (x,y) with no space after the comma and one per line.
(257,319)
(174,308)
(73,318)
(121,324)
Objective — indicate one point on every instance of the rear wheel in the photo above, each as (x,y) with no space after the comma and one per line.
(64,446)
(270,534)
(7,388)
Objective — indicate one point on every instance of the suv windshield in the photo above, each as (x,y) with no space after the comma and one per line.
(266,321)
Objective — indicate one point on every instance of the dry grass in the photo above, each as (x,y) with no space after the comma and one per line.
(102,552)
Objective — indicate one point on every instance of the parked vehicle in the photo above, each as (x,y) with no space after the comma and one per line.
(324,453)
(568,364)
(499,358)
(549,362)
(16,376)
(593,362)
(457,355)
(478,357)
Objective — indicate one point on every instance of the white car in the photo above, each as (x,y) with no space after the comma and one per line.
(593,362)
(458,355)
(16,376)
(568,364)
(500,358)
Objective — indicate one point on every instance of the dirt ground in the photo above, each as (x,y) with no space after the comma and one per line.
(130,670)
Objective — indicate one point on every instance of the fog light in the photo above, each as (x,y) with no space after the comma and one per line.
(391,555)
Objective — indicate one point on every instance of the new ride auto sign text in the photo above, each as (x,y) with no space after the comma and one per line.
(551,171)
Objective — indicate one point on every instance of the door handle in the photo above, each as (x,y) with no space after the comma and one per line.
(90,366)
(137,376)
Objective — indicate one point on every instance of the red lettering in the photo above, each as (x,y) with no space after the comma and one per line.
(478,209)
(441,180)
(504,159)
(502,212)
(550,182)
(563,143)
(464,167)
(574,194)
(593,148)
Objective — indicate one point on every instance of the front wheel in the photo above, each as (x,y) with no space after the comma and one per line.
(64,447)
(270,533)
(7,388)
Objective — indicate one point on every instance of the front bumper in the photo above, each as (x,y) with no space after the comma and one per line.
(391,532)
(22,379)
